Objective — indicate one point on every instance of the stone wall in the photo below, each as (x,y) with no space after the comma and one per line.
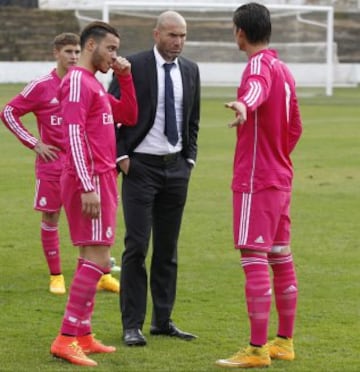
(26,35)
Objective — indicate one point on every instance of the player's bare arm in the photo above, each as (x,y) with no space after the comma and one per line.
(46,152)
(121,66)
(90,204)
(241,113)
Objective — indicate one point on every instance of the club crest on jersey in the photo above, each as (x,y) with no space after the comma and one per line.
(107,119)
(109,232)
(42,201)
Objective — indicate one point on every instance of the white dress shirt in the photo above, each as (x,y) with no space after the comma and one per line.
(155,142)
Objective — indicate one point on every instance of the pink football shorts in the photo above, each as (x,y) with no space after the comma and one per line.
(85,231)
(47,196)
(261,220)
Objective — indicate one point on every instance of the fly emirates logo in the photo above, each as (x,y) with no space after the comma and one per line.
(107,119)
(55,120)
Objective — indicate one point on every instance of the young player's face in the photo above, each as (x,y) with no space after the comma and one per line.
(170,39)
(239,37)
(105,53)
(67,56)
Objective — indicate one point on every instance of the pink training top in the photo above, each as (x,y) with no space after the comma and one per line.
(40,98)
(273,125)
(88,113)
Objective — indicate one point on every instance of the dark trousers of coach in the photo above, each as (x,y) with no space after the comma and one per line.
(153,196)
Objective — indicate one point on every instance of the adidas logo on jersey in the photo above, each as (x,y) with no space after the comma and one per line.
(54,101)
(259,240)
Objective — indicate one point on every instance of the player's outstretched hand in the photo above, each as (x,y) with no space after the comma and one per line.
(46,152)
(241,113)
(90,203)
(121,66)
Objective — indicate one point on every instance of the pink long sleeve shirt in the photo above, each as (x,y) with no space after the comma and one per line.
(89,113)
(40,98)
(273,126)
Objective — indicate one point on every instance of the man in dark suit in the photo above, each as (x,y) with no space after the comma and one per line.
(156,158)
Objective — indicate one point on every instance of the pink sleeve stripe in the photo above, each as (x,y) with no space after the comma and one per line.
(253,94)
(28,89)
(255,65)
(78,156)
(17,128)
(75,86)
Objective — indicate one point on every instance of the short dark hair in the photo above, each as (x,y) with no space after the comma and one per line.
(254,20)
(97,30)
(66,38)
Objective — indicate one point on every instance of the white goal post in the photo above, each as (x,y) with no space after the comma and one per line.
(140,7)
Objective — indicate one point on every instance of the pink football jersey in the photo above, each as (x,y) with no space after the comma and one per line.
(273,125)
(40,98)
(88,123)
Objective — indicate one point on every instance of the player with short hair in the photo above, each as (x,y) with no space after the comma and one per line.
(268,127)
(40,98)
(89,179)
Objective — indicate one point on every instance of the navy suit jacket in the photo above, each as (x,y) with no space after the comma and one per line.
(143,67)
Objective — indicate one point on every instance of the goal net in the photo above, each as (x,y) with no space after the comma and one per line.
(302,34)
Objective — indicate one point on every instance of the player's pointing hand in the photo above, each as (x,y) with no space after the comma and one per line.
(241,112)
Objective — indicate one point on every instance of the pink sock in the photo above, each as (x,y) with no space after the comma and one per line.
(286,292)
(258,295)
(85,326)
(50,244)
(79,263)
(81,300)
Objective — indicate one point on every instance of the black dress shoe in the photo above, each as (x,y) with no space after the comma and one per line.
(172,331)
(134,337)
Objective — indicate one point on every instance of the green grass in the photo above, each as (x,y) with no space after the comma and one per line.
(210,299)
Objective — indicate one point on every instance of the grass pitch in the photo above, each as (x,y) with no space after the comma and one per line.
(210,299)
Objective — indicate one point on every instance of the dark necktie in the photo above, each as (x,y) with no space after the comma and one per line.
(170,116)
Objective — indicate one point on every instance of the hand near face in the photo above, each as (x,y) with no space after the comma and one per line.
(121,66)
